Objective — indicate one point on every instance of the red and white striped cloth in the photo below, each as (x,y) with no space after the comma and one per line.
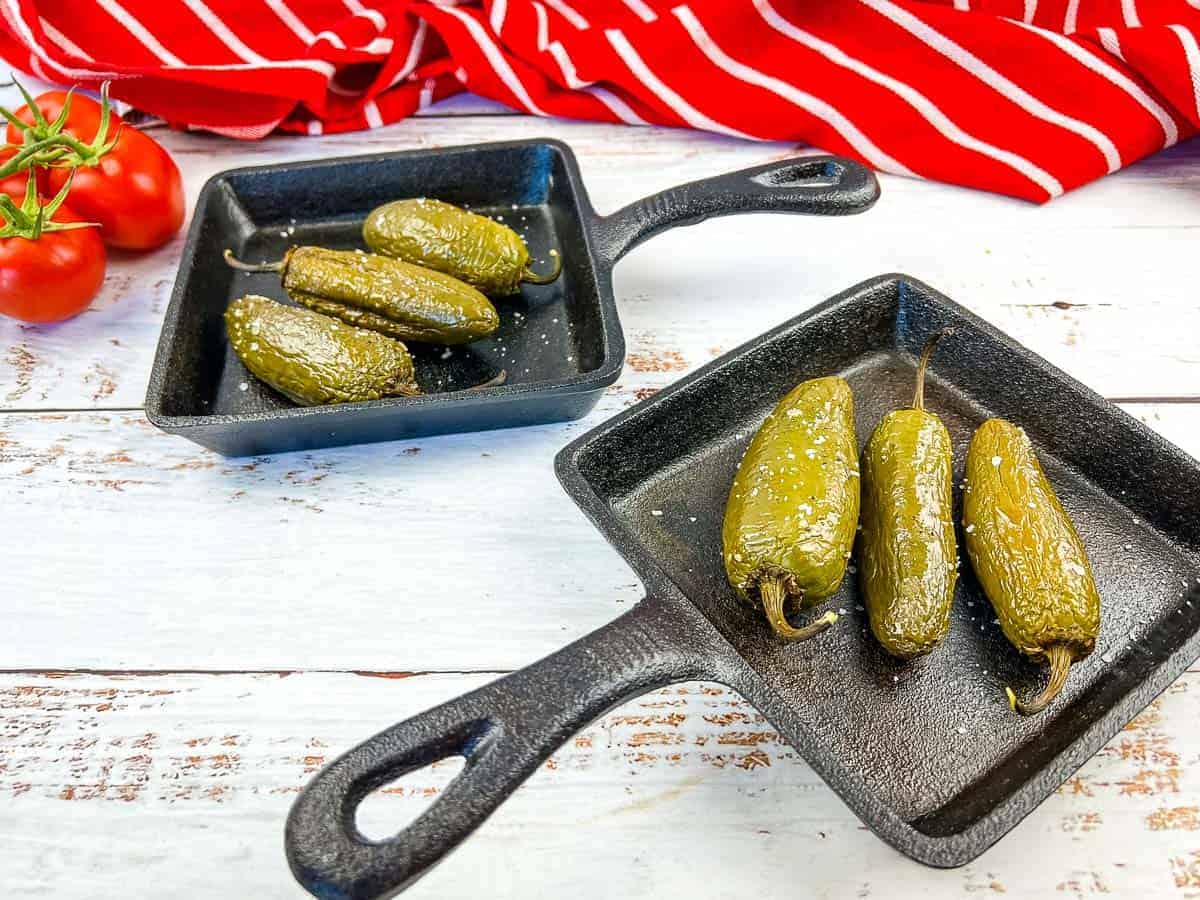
(1024,97)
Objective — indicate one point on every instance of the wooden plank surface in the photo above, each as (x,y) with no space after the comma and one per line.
(139,556)
(118,786)
(182,560)
(1110,250)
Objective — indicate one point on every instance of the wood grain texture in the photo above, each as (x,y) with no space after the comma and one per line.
(1110,250)
(115,786)
(452,553)
(126,550)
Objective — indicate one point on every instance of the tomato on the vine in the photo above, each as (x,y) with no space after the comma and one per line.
(51,263)
(13,185)
(83,118)
(132,188)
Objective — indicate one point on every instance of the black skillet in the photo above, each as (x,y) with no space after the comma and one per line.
(560,344)
(927,753)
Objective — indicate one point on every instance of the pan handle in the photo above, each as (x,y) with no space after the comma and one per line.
(814,185)
(505,730)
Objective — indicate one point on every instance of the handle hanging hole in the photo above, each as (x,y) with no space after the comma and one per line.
(817,173)
(395,805)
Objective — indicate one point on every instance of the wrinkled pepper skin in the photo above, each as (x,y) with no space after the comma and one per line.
(1025,549)
(359,318)
(313,359)
(365,288)
(908,555)
(478,250)
(1028,557)
(793,507)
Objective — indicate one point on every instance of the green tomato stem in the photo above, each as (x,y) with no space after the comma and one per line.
(15,216)
(24,157)
(32,219)
(39,120)
(12,117)
(68,150)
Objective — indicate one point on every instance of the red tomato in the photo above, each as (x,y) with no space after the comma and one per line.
(53,277)
(83,120)
(14,185)
(134,191)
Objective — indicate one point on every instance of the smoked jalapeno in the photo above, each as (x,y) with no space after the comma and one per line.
(1028,556)
(397,298)
(793,508)
(908,558)
(313,359)
(474,248)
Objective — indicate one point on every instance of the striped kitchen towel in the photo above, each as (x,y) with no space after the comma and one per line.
(1024,97)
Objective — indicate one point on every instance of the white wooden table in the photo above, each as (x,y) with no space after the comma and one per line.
(187,639)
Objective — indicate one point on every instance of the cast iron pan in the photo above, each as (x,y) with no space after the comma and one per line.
(560,344)
(927,752)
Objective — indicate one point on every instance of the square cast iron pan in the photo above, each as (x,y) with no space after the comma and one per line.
(927,753)
(560,344)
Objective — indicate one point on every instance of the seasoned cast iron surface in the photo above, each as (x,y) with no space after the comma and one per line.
(933,740)
(260,213)
(560,344)
(926,752)
(535,341)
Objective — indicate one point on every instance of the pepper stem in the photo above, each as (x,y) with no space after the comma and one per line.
(495,381)
(235,263)
(926,353)
(532,277)
(1059,656)
(774,594)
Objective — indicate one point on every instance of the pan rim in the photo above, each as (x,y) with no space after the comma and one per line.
(940,851)
(611,335)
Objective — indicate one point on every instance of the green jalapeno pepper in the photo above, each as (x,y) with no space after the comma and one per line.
(474,248)
(313,359)
(908,557)
(793,507)
(399,299)
(1028,556)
